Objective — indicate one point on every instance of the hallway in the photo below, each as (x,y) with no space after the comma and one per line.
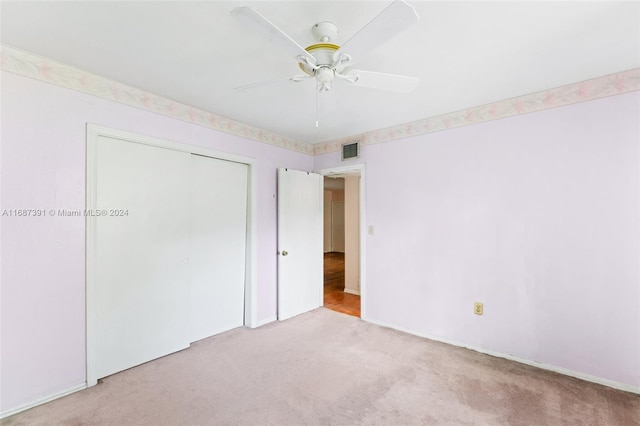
(334,296)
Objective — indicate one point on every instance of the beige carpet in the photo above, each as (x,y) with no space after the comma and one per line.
(327,368)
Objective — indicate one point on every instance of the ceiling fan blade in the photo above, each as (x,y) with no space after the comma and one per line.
(294,79)
(382,81)
(397,17)
(271,32)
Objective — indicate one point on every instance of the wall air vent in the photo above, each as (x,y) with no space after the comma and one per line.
(350,150)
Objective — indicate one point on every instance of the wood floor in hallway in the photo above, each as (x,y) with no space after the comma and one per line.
(334,296)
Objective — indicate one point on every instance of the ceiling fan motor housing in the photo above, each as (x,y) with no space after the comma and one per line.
(323,52)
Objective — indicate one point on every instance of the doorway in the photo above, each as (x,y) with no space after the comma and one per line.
(343,224)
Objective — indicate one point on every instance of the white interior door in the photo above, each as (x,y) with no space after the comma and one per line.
(218,240)
(300,241)
(141,297)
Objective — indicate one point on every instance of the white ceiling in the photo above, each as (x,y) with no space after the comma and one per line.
(465,54)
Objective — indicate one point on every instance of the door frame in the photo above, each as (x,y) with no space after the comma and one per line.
(93,132)
(347,170)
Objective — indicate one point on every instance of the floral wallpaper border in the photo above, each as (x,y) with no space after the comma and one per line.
(609,85)
(30,65)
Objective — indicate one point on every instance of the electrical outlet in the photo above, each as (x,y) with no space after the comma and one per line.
(477,308)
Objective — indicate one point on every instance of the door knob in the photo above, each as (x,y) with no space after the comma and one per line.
(284,252)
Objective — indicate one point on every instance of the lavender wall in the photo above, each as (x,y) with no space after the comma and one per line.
(43,284)
(537,216)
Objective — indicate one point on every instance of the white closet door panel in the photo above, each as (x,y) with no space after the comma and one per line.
(142,271)
(218,244)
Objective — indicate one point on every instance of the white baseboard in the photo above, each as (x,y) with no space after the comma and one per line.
(577,374)
(41,401)
(348,290)
(265,321)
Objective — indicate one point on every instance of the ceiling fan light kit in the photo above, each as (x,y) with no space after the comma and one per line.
(326,61)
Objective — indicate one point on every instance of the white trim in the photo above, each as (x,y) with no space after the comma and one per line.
(265,321)
(251,280)
(549,367)
(360,168)
(350,291)
(41,401)
(90,250)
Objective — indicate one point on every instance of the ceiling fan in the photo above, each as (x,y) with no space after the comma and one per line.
(327,62)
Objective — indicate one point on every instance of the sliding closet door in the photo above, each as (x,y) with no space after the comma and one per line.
(218,240)
(142,290)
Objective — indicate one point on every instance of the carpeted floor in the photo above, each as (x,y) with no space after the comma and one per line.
(327,368)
